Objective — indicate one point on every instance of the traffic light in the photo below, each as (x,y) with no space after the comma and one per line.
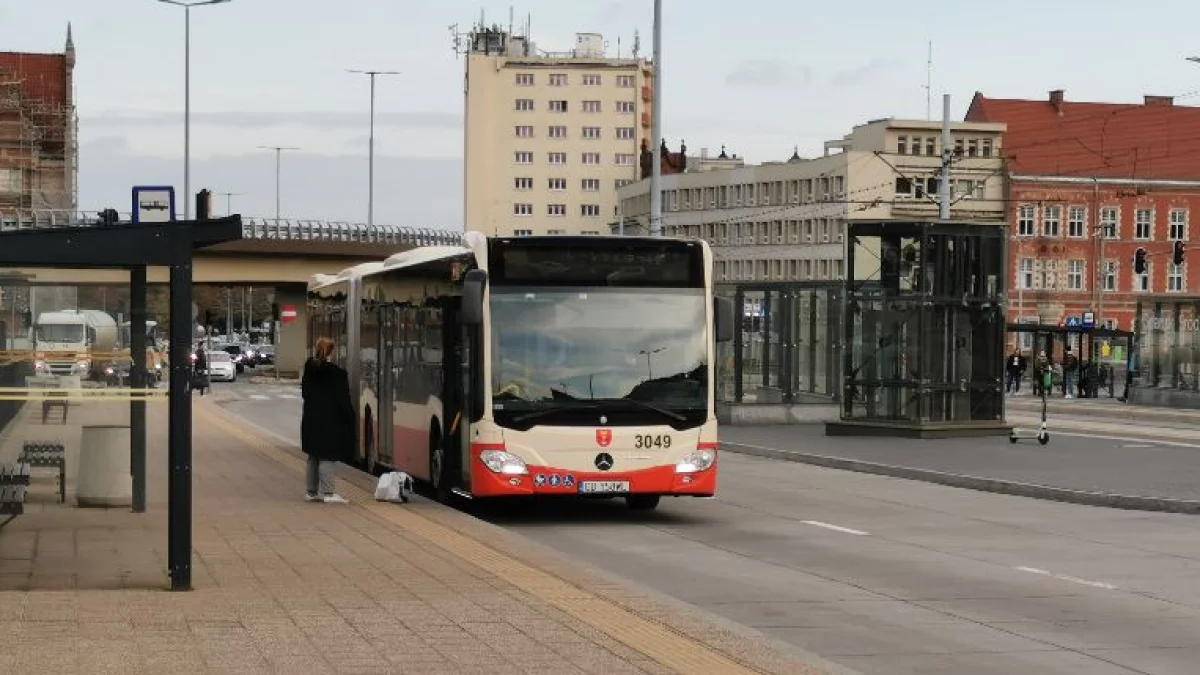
(1139,261)
(1177,255)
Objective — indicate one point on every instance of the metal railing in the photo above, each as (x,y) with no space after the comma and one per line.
(316,231)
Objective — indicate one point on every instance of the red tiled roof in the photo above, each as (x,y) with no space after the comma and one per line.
(1155,139)
(43,76)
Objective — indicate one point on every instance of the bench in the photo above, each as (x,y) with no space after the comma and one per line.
(47,455)
(12,502)
(14,474)
(50,399)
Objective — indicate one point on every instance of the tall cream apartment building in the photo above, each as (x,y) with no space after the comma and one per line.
(550,136)
(786,221)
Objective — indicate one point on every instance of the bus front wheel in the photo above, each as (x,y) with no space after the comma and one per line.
(642,502)
(437,465)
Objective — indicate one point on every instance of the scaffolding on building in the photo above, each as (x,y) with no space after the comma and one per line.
(38,139)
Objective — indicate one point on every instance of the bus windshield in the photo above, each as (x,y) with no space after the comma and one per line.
(572,348)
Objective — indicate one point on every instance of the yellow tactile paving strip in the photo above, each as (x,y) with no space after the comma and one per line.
(651,638)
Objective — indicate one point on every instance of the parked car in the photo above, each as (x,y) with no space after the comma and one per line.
(221,367)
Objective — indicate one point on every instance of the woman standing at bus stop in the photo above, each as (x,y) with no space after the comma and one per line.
(328,422)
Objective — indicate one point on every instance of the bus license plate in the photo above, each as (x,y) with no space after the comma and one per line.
(603,486)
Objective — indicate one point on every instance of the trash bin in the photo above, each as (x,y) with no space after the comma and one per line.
(103,478)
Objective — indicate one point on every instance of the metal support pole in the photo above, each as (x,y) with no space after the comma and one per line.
(371,161)
(947,155)
(278,152)
(187,112)
(139,373)
(179,449)
(656,128)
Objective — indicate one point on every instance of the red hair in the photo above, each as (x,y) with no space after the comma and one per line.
(324,349)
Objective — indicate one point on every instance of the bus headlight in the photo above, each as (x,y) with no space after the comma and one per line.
(700,459)
(503,462)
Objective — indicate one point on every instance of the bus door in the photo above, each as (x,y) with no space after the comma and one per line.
(385,397)
(456,440)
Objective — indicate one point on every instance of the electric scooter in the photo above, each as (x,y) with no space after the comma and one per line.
(1042,434)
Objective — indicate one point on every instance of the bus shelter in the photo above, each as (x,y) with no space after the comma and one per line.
(135,247)
(1104,355)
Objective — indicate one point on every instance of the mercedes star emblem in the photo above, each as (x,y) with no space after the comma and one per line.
(603,419)
(604,461)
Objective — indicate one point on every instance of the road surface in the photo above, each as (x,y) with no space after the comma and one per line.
(885,575)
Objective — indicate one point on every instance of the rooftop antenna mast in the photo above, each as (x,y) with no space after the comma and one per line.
(637,44)
(929,83)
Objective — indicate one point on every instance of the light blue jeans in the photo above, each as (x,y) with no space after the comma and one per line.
(320,477)
(1069,382)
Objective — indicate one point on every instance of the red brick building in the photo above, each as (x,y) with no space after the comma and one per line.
(38,153)
(1089,183)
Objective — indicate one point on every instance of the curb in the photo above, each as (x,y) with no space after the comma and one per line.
(1006,487)
(1118,413)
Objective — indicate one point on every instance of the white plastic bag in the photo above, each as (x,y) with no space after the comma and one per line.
(394,487)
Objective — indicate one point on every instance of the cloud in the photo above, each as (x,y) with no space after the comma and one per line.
(872,72)
(259,120)
(768,73)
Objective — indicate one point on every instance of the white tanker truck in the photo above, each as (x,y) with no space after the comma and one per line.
(80,342)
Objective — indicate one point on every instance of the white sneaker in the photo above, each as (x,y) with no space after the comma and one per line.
(336,499)
(310,497)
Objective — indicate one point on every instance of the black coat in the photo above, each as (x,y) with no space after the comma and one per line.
(327,428)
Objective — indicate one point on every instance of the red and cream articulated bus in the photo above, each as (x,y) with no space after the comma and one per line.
(520,366)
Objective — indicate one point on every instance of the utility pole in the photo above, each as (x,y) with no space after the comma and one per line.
(947,155)
(371,142)
(656,128)
(278,151)
(229,201)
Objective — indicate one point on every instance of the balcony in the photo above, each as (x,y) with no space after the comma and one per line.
(647,93)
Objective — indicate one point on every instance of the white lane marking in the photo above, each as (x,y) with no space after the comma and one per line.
(1137,445)
(260,397)
(817,523)
(1064,577)
(291,396)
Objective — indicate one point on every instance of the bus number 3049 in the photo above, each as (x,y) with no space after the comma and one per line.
(651,441)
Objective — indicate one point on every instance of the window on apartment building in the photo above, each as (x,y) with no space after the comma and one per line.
(558,80)
(972,148)
(1110,275)
(1178,228)
(522,209)
(558,183)
(1026,220)
(624,159)
(960,147)
(1109,222)
(523,183)
(590,210)
(1051,220)
(931,146)
(558,158)
(625,107)
(625,133)
(625,80)
(524,131)
(559,132)
(1143,280)
(525,79)
(1075,275)
(590,232)
(622,182)
(904,187)
(524,104)
(522,233)
(556,209)
(591,80)
(591,106)
(558,106)
(986,149)
(522,157)
(591,184)
(1076,221)
(1175,278)
(591,133)
(591,158)
(902,145)
(1144,224)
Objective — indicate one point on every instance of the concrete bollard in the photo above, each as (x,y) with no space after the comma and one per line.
(103,478)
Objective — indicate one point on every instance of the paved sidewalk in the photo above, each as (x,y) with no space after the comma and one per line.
(1109,408)
(286,586)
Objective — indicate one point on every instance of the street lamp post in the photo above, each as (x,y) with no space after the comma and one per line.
(229,201)
(656,128)
(371,142)
(187,95)
(278,151)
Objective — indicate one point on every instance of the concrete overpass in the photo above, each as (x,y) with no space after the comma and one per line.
(280,254)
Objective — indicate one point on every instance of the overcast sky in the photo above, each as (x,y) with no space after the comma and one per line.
(760,77)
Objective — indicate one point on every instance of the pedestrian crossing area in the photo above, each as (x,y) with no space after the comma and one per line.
(256,393)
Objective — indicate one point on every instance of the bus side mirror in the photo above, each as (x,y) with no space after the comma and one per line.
(723,318)
(474,283)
